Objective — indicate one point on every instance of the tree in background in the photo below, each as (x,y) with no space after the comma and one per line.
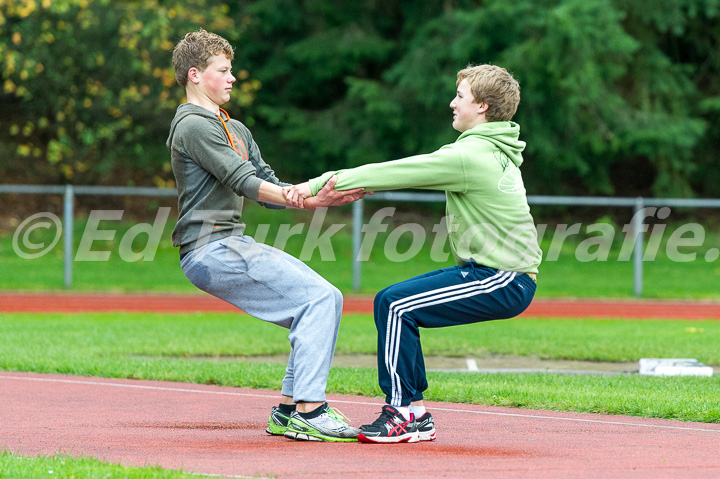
(89,89)
(618,96)
(612,103)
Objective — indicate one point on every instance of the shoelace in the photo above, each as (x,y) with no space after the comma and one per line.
(384,418)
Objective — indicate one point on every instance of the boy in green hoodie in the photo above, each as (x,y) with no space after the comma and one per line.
(216,165)
(491,233)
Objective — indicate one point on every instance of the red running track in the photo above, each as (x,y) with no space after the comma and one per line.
(220,430)
(70,303)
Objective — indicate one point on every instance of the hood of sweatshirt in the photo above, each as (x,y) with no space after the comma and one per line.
(503,134)
(183,111)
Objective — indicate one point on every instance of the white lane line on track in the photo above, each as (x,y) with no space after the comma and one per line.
(378,403)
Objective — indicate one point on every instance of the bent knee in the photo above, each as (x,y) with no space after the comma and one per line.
(329,293)
(386,296)
(338,296)
(379,301)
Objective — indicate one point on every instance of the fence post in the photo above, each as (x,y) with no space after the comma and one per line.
(357,213)
(68,227)
(637,220)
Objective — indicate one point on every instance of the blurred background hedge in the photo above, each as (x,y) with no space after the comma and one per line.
(619,97)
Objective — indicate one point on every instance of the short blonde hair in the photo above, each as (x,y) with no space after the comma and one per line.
(195,50)
(494,86)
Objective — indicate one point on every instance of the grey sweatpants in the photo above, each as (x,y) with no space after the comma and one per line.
(273,286)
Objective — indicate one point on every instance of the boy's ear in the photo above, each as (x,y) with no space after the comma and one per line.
(482,107)
(194,75)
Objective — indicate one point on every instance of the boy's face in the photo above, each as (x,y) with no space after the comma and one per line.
(216,81)
(466,113)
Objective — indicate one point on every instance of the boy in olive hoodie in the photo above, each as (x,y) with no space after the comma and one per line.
(492,237)
(216,165)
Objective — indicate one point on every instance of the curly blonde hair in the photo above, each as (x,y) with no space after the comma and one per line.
(494,86)
(195,50)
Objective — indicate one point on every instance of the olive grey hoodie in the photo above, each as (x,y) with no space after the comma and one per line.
(216,164)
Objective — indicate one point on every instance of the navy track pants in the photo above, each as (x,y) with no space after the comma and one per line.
(452,296)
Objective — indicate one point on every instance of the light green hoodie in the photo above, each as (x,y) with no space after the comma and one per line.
(488,215)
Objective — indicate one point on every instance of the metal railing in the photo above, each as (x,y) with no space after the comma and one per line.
(69,192)
(637,204)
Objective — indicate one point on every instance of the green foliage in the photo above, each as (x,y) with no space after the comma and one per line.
(89,88)
(610,103)
(618,96)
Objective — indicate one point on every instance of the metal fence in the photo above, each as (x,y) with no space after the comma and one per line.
(69,192)
(637,204)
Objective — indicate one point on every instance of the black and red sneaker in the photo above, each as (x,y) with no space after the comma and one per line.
(390,427)
(426,427)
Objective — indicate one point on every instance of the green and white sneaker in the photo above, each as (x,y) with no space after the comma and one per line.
(277,424)
(330,425)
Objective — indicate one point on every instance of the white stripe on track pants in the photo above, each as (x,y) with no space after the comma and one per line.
(452,296)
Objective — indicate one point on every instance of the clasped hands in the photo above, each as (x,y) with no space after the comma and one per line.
(300,196)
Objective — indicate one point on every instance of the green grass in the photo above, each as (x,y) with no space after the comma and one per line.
(188,348)
(202,348)
(66,467)
(564,277)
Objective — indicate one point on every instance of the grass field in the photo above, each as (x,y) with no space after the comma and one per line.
(219,348)
(13,466)
(564,273)
(212,349)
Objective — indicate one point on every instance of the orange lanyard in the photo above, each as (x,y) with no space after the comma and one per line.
(226,128)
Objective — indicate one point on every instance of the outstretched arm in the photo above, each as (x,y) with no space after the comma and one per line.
(271,193)
(295,195)
(300,196)
(442,170)
(327,196)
